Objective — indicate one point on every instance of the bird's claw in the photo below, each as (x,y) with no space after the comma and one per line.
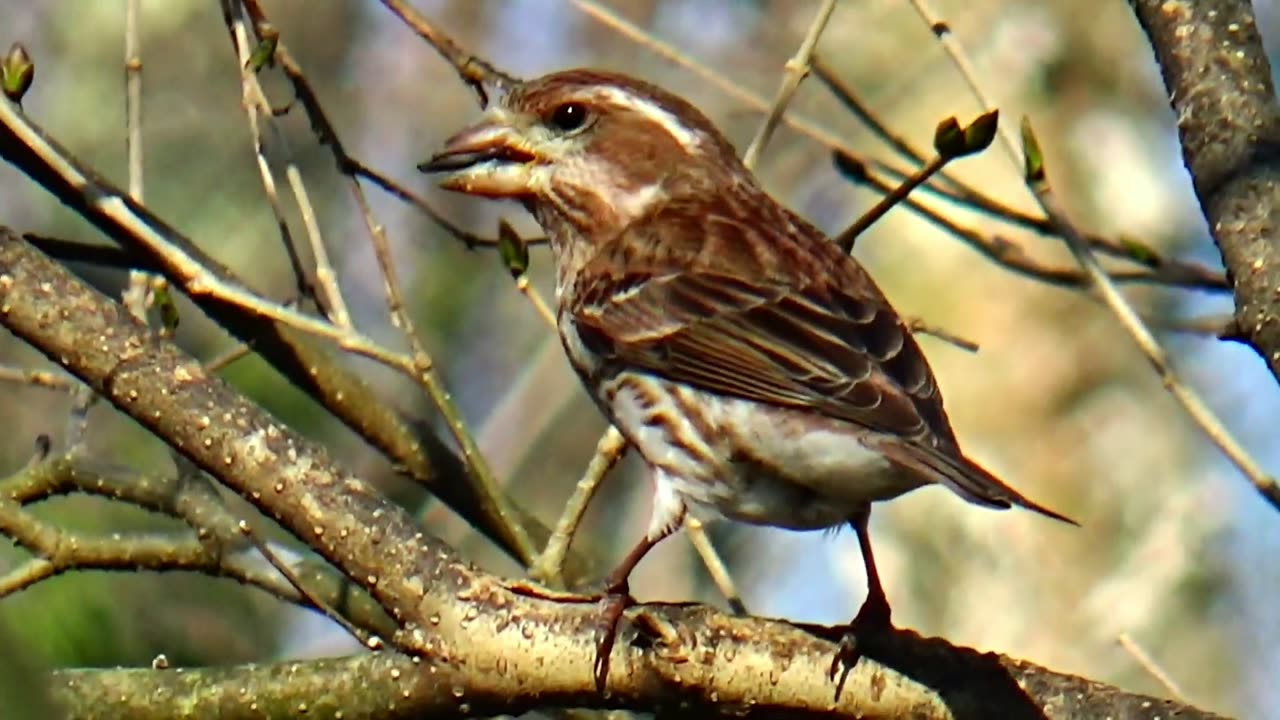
(613,603)
(873,618)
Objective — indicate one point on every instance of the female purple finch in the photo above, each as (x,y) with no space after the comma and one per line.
(756,367)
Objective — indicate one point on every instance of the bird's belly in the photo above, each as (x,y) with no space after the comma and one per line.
(750,462)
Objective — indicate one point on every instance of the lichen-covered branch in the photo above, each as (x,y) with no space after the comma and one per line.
(1219,83)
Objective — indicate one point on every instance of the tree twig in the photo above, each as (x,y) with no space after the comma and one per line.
(794,72)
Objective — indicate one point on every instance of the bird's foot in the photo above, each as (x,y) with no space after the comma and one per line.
(614,601)
(872,619)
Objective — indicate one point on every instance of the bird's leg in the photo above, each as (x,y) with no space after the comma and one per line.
(615,601)
(875,608)
(872,617)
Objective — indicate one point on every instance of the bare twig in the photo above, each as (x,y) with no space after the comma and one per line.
(920,326)
(1008,253)
(133,97)
(472,241)
(960,59)
(547,568)
(257,109)
(228,356)
(794,72)
(1028,155)
(420,365)
(36,378)
(715,565)
(193,499)
(136,293)
(1129,319)
(478,74)
(1146,662)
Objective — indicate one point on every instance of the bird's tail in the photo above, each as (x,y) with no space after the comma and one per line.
(968,479)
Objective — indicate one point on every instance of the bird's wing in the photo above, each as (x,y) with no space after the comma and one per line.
(813,348)
(823,340)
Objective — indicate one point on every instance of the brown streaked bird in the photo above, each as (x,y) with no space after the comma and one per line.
(756,367)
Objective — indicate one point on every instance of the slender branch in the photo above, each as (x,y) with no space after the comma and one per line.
(1148,663)
(916,325)
(255,106)
(136,293)
(478,74)
(470,240)
(549,565)
(794,72)
(1003,251)
(196,502)
(715,565)
(420,366)
(36,378)
(1098,279)
(955,51)
(133,97)
(1192,403)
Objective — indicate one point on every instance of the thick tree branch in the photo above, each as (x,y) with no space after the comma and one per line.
(466,625)
(1219,83)
(969,685)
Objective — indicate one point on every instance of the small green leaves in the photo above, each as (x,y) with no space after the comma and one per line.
(948,139)
(1139,251)
(980,133)
(265,53)
(1034,164)
(165,306)
(951,141)
(512,249)
(16,72)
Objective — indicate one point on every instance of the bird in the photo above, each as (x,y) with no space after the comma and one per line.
(756,367)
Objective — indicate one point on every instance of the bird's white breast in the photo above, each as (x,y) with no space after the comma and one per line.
(766,466)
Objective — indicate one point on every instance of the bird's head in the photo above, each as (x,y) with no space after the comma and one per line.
(587,150)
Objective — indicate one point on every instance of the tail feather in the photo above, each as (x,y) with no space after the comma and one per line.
(966,478)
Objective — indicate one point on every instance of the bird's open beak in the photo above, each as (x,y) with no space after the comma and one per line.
(489,159)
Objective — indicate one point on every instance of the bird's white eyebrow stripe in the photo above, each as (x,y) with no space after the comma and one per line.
(688,139)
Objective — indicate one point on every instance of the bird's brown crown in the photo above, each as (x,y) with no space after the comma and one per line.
(620,100)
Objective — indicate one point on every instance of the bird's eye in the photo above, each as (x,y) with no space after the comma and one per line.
(569,117)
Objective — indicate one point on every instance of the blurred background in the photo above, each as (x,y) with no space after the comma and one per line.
(1176,551)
